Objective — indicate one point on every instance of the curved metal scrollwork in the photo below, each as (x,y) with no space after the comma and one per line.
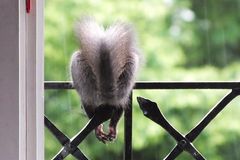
(70,146)
(184,143)
(150,110)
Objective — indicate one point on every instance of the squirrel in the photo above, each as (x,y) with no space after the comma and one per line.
(104,69)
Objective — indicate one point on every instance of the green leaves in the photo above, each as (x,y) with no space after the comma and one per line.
(205,48)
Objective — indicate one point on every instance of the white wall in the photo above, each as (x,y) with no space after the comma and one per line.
(9,84)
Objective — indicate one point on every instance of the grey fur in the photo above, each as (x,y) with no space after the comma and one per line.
(103,71)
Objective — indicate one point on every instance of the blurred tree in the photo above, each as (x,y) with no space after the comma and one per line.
(185,40)
(208,31)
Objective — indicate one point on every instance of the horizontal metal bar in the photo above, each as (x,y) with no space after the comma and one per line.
(157,85)
(58,85)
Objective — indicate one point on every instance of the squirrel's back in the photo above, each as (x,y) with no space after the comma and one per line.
(103,70)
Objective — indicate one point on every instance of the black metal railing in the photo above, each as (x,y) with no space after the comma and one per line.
(151,111)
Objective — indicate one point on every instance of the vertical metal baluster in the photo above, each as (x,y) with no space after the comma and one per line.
(128,131)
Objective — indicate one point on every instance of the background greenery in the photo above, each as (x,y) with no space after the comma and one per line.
(187,40)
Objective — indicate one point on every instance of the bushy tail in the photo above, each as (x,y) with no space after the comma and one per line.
(108,51)
(90,36)
(119,39)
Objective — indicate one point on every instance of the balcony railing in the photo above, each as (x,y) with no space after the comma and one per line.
(151,111)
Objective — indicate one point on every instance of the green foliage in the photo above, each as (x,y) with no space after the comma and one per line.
(187,40)
(212,36)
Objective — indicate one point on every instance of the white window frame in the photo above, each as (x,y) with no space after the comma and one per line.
(31,81)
